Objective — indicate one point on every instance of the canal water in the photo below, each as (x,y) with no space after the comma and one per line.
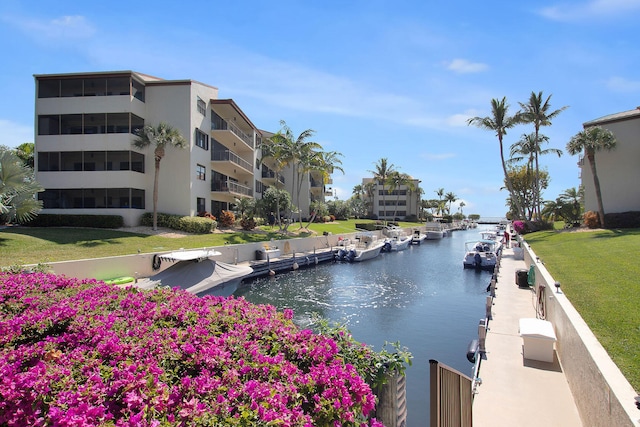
(422,297)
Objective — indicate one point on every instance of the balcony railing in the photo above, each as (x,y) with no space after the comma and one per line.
(221,124)
(231,187)
(271,174)
(230,156)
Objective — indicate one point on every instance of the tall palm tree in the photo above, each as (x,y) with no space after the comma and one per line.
(325,163)
(538,112)
(499,122)
(160,137)
(450,198)
(395,181)
(298,153)
(592,140)
(17,189)
(369,191)
(383,169)
(274,148)
(358,191)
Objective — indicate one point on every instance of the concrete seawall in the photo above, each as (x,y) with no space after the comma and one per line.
(603,395)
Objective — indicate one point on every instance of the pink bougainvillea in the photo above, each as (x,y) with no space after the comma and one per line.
(82,353)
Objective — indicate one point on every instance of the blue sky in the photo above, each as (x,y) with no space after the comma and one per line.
(373,78)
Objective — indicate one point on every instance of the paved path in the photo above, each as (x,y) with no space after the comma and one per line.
(516,391)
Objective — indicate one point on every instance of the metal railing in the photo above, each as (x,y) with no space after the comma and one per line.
(231,187)
(268,173)
(230,156)
(221,124)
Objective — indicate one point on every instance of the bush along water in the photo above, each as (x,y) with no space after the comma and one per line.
(82,353)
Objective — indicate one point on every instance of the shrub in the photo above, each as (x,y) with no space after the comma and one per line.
(591,219)
(206,214)
(189,224)
(247,224)
(85,353)
(520,227)
(227,219)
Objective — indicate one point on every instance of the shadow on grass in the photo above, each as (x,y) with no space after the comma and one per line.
(65,236)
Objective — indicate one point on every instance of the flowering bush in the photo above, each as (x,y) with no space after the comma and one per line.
(520,227)
(227,219)
(83,353)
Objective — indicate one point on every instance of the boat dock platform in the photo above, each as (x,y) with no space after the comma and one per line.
(516,391)
(289,262)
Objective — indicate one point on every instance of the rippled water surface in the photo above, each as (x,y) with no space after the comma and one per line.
(421,297)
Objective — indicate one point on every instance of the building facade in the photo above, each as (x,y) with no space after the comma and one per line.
(85,124)
(617,168)
(385,203)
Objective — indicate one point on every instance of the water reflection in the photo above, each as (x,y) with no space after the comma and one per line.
(421,297)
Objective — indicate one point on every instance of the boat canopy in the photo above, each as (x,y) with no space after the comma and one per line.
(189,255)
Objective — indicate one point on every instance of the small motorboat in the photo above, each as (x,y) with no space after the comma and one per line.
(396,239)
(418,237)
(481,254)
(366,246)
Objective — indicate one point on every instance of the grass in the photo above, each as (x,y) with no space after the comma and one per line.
(27,245)
(599,272)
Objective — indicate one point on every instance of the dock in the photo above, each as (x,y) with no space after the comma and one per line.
(516,391)
(289,262)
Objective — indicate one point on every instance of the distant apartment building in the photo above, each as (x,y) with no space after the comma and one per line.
(85,160)
(385,203)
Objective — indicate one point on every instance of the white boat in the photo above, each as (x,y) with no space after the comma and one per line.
(481,254)
(195,272)
(418,237)
(396,240)
(366,246)
(433,234)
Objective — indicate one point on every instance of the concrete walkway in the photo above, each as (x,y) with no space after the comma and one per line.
(516,391)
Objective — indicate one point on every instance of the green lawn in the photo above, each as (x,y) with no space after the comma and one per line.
(599,273)
(30,245)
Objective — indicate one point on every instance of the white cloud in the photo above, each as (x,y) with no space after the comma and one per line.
(14,134)
(64,28)
(590,9)
(620,84)
(438,156)
(462,66)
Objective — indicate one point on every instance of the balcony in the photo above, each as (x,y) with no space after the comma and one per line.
(269,177)
(231,187)
(227,162)
(230,135)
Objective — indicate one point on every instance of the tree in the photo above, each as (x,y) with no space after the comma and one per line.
(499,122)
(573,201)
(381,174)
(450,198)
(26,152)
(537,112)
(17,189)
(160,137)
(358,191)
(395,181)
(592,140)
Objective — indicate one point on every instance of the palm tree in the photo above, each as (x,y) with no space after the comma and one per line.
(358,191)
(325,163)
(592,140)
(460,206)
(573,201)
(395,181)
(537,112)
(17,189)
(499,122)
(450,198)
(26,152)
(369,191)
(297,152)
(381,174)
(160,137)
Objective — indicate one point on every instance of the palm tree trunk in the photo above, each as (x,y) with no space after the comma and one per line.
(596,185)
(516,202)
(155,194)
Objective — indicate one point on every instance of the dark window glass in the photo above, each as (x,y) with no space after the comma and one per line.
(137,198)
(71,161)
(95,87)
(94,123)
(201,173)
(94,197)
(118,123)
(117,198)
(118,160)
(48,88)
(49,125)
(201,205)
(138,90)
(94,161)
(137,123)
(202,139)
(137,162)
(71,87)
(118,86)
(50,199)
(71,124)
(202,107)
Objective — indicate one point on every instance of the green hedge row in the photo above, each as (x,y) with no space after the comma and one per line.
(60,220)
(189,224)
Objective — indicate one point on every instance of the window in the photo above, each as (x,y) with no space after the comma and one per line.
(202,107)
(76,124)
(71,161)
(138,90)
(137,162)
(92,198)
(117,123)
(118,160)
(201,172)
(70,87)
(118,85)
(48,162)
(95,87)
(49,125)
(49,88)
(201,205)
(94,123)
(202,139)
(71,124)
(117,197)
(94,160)
(137,123)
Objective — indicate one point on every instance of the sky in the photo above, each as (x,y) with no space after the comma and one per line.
(374,79)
